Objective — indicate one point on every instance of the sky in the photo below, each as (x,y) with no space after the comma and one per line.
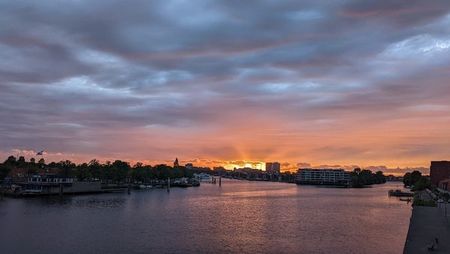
(306,83)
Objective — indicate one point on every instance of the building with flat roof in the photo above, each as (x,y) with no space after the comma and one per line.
(337,177)
(273,167)
(439,170)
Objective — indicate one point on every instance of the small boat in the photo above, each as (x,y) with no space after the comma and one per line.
(203,177)
(182,182)
(194,182)
(399,193)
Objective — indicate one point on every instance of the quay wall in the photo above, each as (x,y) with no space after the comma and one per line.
(426,224)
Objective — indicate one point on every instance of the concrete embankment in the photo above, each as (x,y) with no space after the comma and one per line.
(428,223)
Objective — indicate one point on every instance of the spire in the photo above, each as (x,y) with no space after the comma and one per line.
(175,163)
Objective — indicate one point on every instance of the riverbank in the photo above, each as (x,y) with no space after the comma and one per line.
(426,224)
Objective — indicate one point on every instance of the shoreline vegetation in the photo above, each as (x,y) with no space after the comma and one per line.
(361,178)
(19,177)
(424,193)
(121,172)
(109,172)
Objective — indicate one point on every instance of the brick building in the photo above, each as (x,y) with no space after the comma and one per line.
(439,170)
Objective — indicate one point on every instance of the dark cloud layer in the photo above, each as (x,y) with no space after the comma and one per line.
(319,81)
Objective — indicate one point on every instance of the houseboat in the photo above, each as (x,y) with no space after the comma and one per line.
(53,184)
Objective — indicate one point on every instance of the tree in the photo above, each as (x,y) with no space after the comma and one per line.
(4,171)
(95,169)
(82,172)
(138,165)
(409,179)
(421,184)
(32,169)
(11,160)
(380,178)
(120,170)
(66,168)
(163,171)
(415,177)
(116,172)
(360,178)
(21,161)
(41,162)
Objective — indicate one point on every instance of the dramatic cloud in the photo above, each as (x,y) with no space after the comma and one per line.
(327,82)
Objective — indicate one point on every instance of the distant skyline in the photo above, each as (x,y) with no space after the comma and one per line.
(340,83)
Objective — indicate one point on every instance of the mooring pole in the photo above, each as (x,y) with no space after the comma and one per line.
(60,189)
(220,181)
(168,184)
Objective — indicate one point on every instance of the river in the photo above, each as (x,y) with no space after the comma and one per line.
(238,217)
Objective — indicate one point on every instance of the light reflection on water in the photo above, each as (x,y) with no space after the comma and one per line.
(239,217)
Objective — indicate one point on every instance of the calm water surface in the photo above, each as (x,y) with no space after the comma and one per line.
(239,217)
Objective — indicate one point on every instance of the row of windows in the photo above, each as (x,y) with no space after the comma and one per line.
(50,180)
(325,174)
(322,177)
(330,176)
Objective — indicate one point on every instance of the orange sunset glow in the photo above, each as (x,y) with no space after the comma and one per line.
(296,92)
(206,126)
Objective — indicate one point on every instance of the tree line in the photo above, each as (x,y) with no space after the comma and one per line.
(110,172)
(416,181)
(121,171)
(361,178)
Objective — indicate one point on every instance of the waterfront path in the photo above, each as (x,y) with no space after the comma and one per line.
(428,223)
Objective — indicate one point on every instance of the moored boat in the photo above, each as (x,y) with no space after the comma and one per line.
(399,193)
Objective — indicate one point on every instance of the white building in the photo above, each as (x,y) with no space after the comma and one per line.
(323,177)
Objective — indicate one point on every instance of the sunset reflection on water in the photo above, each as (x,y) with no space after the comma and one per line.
(239,217)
